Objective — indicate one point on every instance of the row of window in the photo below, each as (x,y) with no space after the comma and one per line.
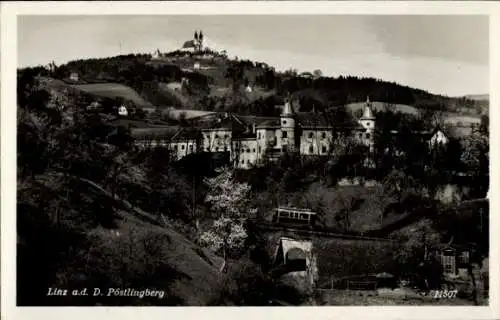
(183,147)
(323,149)
(294,215)
(367,135)
(284,134)
(311,135)
(248,162)
(247,150)
(217,149)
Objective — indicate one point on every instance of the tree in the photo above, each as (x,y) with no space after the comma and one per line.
(318,73)
(228,201)
(399,185)
(475,158)
(416,243)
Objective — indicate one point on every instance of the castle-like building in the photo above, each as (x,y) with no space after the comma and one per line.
(249,141)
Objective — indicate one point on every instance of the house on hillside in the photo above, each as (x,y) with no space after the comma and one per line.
(122,111)
(95,105)
(179,141)
(454,258)
(438,138)
(307,75)
(156,54)
(73,76)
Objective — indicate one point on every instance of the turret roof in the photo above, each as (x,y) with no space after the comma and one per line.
(367,112)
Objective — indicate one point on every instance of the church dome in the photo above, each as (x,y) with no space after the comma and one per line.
(189,44)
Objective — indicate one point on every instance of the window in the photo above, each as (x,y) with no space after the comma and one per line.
(284,122)
(175,148)
(311,135)
(182,147)
(448,262)
(323,135)
(360,135)
(253,150)
(216,136)
(323,149)
(311,149)
(248,150)
(367,136)
(464,257)
(283,135)
(242,161)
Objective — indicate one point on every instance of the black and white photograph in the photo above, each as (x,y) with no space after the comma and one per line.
(251,160)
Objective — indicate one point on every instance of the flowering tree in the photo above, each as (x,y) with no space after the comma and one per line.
(227,200)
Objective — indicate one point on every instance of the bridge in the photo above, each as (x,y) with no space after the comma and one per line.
(293,237)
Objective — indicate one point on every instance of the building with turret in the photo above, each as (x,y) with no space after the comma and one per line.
(251,141)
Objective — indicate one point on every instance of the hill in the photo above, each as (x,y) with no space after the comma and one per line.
(214,80)
(480,97)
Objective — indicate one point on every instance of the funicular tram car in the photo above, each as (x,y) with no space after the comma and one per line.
(294,216)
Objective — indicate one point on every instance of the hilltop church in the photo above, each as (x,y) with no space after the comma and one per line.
(249,141)
(194,45)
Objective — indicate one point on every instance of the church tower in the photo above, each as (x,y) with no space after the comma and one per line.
(287,124)
(367,120)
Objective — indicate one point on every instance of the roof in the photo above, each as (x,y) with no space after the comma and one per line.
(269,123)
(244,135)
(313,120)
(161,132)
(287,108)
(189,44)
(454,247)
(185,134)
(321,120)
(225,122)
(368,112)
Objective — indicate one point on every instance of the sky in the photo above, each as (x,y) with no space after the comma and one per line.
(442,54)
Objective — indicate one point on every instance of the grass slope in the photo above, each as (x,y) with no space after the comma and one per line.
(114,90)
(190,272)
(381,106)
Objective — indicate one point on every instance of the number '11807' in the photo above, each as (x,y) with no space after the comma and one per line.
(444,294)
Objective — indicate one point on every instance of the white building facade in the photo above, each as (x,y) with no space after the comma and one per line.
(251,143)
